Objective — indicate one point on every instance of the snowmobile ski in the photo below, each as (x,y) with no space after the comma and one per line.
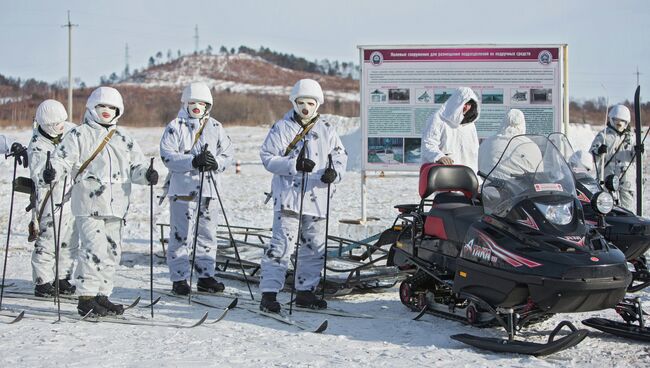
(621,329)
(526,347)
(16,318)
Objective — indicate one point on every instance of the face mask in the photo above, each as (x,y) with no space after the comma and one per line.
(106,113)
(53,130)
(196,109)
(306,107)
(619,125)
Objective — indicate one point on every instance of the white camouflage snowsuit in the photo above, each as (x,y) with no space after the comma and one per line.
(528,158)
(43,256)
(445,135)
(100,195)
(321,141)
(177,149)
(617,162)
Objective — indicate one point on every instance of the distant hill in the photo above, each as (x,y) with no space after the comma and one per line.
(238,73)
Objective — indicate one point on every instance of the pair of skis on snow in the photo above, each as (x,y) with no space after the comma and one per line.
(129,320)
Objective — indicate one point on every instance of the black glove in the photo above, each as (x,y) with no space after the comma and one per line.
(602,149)
(152,176)
(305,164)
(20,152)
(49,174)
(204,161)
(329,176)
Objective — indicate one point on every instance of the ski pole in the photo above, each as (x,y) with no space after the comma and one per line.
(196,227)
(11,211)
(327,227)
(302,197)
(58,242)
(151,240)
(57,300)
(232,239)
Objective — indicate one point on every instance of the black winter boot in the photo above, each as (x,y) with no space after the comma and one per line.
(209,285)
(110,306)
(308,299)
(44,290)
(89,304)
(65,287)
(181,287)
(269,304)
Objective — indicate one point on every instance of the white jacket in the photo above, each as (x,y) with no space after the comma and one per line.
(104,187)
(321,141)
(491,149)
(622,158)
(37,150)
(177,152)
(444,134)
(5,144)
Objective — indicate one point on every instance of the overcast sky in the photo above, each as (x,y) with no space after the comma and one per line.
(607,40)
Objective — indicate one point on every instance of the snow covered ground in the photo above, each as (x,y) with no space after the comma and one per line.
(391,339)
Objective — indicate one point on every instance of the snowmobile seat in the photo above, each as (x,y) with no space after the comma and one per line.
(447,178)
(449,219)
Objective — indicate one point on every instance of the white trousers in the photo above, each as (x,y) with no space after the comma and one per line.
(44,255)
(100,250)
(181,234)
(310,255)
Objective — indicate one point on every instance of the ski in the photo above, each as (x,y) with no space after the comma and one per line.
(329,311)
(251,308)
(232,305)
(69,299)
(74,317)
(15,318)
(281,317)
(621,329)
(638,151)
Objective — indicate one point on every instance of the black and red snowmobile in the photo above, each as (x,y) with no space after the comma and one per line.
(518,256)
(627,231)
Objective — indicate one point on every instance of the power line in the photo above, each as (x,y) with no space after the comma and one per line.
(69,26)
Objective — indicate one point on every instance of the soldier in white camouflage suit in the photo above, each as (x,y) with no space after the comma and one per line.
(319,156)
(100,193)
(51,126)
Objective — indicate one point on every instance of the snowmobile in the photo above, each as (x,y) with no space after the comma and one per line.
(516,258)
(629,233)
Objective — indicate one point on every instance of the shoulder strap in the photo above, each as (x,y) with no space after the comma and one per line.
(92,157)
(301,134)
(200,131)
(43,204)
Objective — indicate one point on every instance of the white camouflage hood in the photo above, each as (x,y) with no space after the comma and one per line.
(106,96)
(452,110)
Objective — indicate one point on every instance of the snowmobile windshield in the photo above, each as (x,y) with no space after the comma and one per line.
(530,166)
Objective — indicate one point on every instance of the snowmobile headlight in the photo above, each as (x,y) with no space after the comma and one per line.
(558,214)
(602,203)
(612,182)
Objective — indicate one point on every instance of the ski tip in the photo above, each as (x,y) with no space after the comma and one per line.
(18,318)
(135,302)
(233,304)
(154,302)
(200,322)
(421,313)
(322,327)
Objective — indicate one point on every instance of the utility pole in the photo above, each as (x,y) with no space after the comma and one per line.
(69,26)
(196,39)
(126,61)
